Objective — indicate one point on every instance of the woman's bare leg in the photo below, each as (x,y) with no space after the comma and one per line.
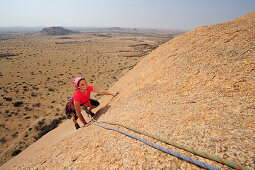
(75,121)
(91,107)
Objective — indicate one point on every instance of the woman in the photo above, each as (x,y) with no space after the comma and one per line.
(80,98)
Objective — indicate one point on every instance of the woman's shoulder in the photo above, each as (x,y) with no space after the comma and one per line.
(77,92)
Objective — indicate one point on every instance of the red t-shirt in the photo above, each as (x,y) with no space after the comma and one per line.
(80,97)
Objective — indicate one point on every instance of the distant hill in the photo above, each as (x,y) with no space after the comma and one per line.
(115,28)
(56,31)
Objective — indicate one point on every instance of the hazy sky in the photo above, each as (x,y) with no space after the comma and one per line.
(169,14)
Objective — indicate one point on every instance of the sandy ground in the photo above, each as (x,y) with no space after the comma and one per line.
(196,89)
(41,70)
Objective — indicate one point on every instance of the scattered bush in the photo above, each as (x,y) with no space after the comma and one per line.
(8,98)
(28,109)
(36,88)
(51,89)
(3,140)
(40,123)
(25,88)
(33,94)
(46,128)
(16,152)
(18,103)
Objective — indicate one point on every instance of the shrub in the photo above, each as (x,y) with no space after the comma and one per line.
(36,88)
(33,94)
(18,103)
(16,152)
(14,135)
(8,98)
(28,109)
(3,140)
(46,128)
(25,88)
(28,117)
(51,89)
(40,123)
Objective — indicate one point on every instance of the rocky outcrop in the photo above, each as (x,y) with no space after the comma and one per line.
(197,90)
(56,31)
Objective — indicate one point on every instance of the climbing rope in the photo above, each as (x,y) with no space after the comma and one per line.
(186,158)
(194,151)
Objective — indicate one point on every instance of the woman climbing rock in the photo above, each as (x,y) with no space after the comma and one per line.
(80,98)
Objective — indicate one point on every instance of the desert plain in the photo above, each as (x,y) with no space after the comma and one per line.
(37,71)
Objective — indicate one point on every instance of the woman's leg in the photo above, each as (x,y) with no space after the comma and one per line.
(74,118)
(77,126)
(93,104)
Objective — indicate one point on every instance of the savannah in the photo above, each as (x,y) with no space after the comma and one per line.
(38,66)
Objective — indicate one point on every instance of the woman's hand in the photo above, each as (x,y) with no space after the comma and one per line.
(115,94)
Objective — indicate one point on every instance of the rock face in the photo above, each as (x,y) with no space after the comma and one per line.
(56,31)
(197,90)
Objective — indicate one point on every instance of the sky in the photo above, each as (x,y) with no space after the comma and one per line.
(166,14)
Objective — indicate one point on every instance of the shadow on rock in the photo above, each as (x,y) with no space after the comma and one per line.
(101,111)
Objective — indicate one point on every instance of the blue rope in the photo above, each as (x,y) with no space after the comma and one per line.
(186,158)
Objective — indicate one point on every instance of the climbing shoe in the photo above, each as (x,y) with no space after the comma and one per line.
(77,126)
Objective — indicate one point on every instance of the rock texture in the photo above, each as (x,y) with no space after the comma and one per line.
(197,90)
(56,31)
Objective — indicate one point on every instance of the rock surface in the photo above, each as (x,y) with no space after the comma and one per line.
(56,31)
(197,90)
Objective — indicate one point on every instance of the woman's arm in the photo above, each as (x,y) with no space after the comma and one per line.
(104,92)
(78,111)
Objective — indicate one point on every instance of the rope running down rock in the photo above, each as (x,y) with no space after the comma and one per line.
(192,150)
(186,158)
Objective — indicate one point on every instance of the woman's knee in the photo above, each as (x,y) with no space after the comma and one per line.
(94,102)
